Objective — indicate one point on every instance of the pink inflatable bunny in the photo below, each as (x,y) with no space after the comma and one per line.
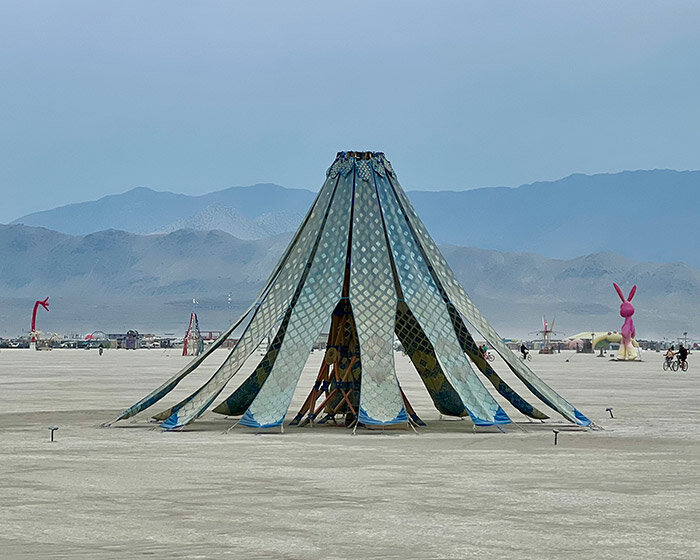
(627,350)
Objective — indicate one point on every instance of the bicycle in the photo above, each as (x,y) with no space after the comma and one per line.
(526,357)
(489,357)
(675,365)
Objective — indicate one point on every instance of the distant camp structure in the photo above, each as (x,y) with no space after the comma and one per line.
(363,259)
(97,339)
(132,339)
(603,341)
(597,341)
(193,344)
(546,346)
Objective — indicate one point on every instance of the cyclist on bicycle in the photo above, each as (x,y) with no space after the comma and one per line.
(682,353)
(523,351)
(669,355)
(485,351)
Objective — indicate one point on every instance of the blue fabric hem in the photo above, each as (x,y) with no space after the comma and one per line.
(480,422)
(500,418)
(364,418)
(582,420)
(170,423)
(249,420)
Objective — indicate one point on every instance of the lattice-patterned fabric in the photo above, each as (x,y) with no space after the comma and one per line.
(462,302)
(319,295)
(239,401)
(373,299)
(270,310)
(171,383)
(391,279)
(417,346)
(474,352)
(424,299)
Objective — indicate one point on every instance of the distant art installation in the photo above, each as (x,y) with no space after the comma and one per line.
(193,345)
(363,261)
(627,350)
(34,333)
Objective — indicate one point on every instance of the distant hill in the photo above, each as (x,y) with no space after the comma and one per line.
(643,215)
(113,281)
(254,212)
(511,287)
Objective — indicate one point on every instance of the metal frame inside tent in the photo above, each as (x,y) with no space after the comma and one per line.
(364,259)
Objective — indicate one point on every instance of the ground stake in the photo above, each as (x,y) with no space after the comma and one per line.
(52,429)
(556,433)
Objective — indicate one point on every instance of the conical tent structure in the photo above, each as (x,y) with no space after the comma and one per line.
(363,260)
(192,343)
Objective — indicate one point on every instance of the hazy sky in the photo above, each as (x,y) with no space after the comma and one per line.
(100,97)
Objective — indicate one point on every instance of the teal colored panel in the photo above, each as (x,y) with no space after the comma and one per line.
(464,305)
(267,314)
(319,295)
(418,347)
(373,299)
(472,350)
(427,305)
(171,383)
(239,401)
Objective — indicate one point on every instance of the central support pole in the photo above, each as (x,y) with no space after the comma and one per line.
(336,390)
(337,384)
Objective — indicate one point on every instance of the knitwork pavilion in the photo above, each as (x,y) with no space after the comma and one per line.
(363,262)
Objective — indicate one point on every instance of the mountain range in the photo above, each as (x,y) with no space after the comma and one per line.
(114,280)
(136,260)
(642,215)
(254,212)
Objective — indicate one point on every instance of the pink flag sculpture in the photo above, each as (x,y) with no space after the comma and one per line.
(34,333)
